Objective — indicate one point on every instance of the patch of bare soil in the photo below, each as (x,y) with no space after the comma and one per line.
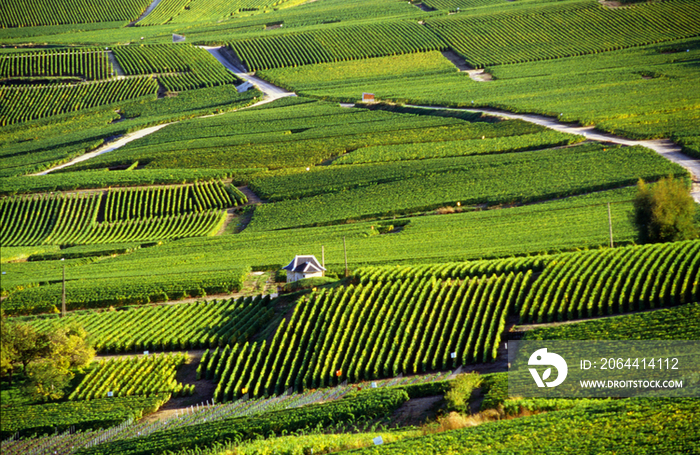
(252,197)
(457,61)
(612,4)
(187,374)
(425,7)
(480,75)
(476,400)
(230,216)
(416,411)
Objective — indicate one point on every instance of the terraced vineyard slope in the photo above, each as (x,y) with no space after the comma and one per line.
(615,281)
(171,327)
(116,215)
(191,66)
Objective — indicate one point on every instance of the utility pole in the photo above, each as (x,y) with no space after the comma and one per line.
(323,256)
(63,294)
(612,245)
(345,250)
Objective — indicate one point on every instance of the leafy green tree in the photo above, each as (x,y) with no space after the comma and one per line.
(47,380)
(70,346)
(46,358)
(664,212)
(7,350)
(21,345)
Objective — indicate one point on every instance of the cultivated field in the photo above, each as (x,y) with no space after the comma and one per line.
(467,173)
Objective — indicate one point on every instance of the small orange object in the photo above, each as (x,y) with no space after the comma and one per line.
(339,373)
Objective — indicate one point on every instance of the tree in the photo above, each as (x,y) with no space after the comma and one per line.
(664,212)
(21,344)
(45,357)
(7,350)
(48,380)
(70,346)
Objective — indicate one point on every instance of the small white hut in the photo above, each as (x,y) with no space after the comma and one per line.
(301,267)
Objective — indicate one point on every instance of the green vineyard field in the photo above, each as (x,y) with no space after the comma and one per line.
(652,325)
(563,225)
(81,415)
(662,424)
(122,287)
(111,179)
(341,193)
(272,135)
(450,270)
(150,375)
(164,12)
(22,104)
(508,144)
(328,338)
(351,409)
(459,5)
(52,12)
(86,63)
(529,36)
(31,147)
(178,11)
(338,44)
(613,90)
(615,281)
(170,327)
(122,215)
(469,173)
(414,312)
(193,67)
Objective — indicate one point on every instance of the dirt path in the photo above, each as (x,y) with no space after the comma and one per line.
(252,197)
(527,327)
(457,61)
(107,147)
(230,216)
(271,91)
(150,8)
(479,75)
(613,4)
(118,70)
(234,213)
(416,411)
(664,147)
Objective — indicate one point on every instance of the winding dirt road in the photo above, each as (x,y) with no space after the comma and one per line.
(107,147)
(270,91)
(150,8)
(664,147)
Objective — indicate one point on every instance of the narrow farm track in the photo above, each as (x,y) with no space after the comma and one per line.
(118,70)
(150,8)
(108,147)
(252,197)
(664,147)
(271,91)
